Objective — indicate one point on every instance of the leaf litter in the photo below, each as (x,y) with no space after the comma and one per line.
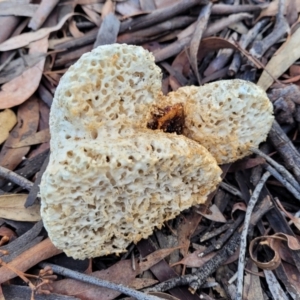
(194,42)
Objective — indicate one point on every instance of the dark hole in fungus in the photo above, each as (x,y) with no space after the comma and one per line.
(169,119)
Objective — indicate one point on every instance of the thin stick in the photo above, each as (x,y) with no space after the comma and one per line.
(281,27)
(288,176)
(251,204)
(15,178)
(283,180)
(99,282)
(232,190)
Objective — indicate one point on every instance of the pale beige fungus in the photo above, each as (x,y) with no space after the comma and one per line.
(110,180)
(118,192)
(228,117)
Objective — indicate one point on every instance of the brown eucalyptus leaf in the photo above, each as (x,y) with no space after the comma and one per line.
(295,220)
(214,215)
(12,207)
(141,283)
(121,272)
(40,137)
(8,120)
(24,39)
(22,87)
(28,120)
(155,257)
(193,260)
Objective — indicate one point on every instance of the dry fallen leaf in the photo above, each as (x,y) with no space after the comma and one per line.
(40,137)
(121,273)
(294,219)
(155,257)
(8,120)
(28,120)
(284,57)
(12,207)
(24,39)
(214,215)
(193,260)
(22,87)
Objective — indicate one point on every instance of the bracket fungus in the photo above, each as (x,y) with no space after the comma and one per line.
(111,180)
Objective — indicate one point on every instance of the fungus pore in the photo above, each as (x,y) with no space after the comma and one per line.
(111,180)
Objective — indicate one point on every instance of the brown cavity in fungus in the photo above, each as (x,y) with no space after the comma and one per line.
(168,119)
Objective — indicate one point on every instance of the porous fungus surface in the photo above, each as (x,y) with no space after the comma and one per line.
(110,181)
(98,197)
(228,117)
(107,92)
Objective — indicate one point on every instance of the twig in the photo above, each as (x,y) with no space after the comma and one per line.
(29,258)
(15,178)
(232,190)
(245,40)
(197,36)
(210,234)
(284,172)
(281,27)
(283,180)
(184,37)
(195,280)
(221,241)
(99,282)
(159,15)
(286,149)
(225,9)
(251,204)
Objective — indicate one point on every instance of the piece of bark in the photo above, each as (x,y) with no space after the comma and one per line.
(147,5)
(88,38)
(224,9)
(286,149)
(160,15)
(8,8)
(185,37)
(162,271)
(108,31)
(138,37)
(17,292)
(41,14)
(36,186)
(197,36)
(24,239)
(7,25)
(29,258)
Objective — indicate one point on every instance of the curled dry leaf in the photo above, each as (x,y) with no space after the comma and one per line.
(295,220)
(22,87)
(12,207)
(238,206)
(274,262)
(8,120)
(274,242)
